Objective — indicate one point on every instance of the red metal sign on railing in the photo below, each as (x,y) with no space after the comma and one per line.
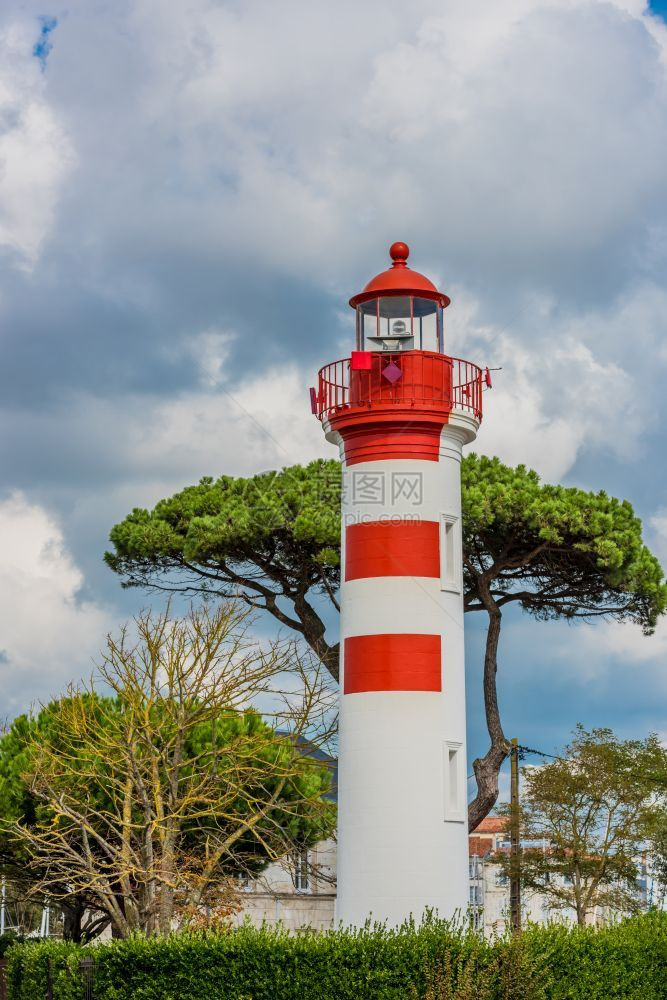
(420,379)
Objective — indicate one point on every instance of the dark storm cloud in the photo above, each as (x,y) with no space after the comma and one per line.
(63,332)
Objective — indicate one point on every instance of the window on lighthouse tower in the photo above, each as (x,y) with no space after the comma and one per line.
(454,783)
(451,558)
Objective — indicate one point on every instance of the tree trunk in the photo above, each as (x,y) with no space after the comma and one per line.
(313,633)
(487,768)
(165,910)
(579,897)
(330,657)
(73,909)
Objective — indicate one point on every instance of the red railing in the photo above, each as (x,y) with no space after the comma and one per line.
(426,380)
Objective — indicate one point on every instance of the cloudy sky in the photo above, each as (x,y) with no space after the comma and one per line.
(226,173)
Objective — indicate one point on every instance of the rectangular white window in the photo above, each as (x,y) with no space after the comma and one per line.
(451,569)
(475,895)
(454,783)
(301,873)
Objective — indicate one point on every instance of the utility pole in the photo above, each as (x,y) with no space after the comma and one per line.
(515,841)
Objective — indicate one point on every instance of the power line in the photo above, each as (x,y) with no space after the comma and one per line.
(516,316)
(212,378)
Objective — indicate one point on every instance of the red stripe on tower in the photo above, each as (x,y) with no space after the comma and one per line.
(406,548)
(392,662)
(402,436)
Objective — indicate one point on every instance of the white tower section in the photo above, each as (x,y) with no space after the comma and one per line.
(400,418)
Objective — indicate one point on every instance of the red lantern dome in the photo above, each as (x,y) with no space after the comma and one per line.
(400,279)
(399,309)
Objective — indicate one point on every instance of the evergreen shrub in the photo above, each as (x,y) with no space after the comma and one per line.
(625,961)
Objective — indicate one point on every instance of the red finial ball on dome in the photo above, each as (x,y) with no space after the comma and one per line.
(399,253)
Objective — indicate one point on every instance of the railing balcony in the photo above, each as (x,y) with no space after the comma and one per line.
(419,379)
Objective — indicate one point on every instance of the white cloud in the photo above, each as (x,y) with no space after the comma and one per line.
(262,423)
(608,663)
(512,139)
(141,448)
(48,633)
(36,154)
(545,408)
(570,383)
(622,646)
(521,141)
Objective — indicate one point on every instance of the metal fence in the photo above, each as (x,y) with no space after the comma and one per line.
(88,967)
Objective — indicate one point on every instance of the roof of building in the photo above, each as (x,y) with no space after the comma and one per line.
(478,846)
(492,824)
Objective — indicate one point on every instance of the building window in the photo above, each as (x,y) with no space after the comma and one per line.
(475,867)
(501,878)
(475,895)
(450,553)
(300,874)
(454,783)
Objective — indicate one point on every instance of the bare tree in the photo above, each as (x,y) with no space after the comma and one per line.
(156,797)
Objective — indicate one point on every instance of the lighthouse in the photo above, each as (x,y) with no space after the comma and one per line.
(400,410)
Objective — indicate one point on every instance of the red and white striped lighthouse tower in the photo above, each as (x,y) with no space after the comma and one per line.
(401,410)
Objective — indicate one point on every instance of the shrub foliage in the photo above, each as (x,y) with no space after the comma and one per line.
(626,961)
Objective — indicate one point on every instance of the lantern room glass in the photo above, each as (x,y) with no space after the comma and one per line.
(427,324)
(399,323)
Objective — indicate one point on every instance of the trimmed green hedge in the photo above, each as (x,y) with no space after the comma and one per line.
(29,966)
(627,961)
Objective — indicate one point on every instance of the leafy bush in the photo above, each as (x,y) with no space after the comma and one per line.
(7,940)
(269,964)
(509,971)
(32,964)
(626,961)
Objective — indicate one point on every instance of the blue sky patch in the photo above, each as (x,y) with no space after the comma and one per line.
(43,45)
(658,7)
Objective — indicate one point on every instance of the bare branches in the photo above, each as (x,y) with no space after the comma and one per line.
(161,781)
